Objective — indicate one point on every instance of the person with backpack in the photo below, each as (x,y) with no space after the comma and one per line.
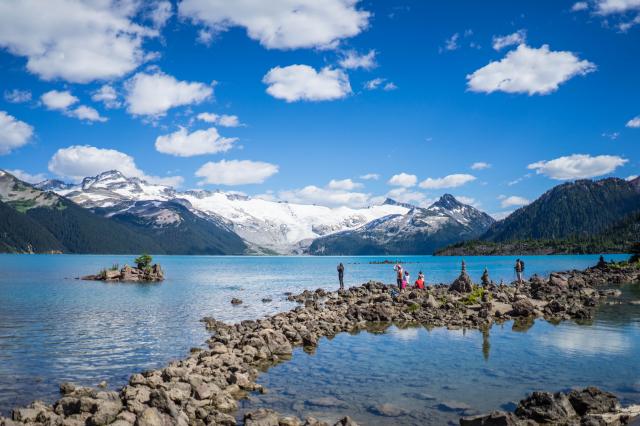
(341,275)
(519,270)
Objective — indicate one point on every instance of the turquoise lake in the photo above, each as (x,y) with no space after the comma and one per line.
(55,328)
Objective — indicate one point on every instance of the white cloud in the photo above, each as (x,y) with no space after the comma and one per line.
(578,166)
(632,177)
(370,176)
(62,100)
(28,177)
(468,200)
(223,120)
(578,6)
(13,133)
(403,179)
(79,161)
(323,196)
(304,83)
(58,100)
(160,13)
(377,83)
(513,201)
(529,70)
(78,41)
(184,144)
(354,60)
(607,7)
(625,26)
(235,172)
(281,24)
(344,184)
(501,215)
(452,42)
(86,113)
(634,123)
(500,42)
(154,94)
(480,165)
(17,96)
(449,181)
(613,136)
(404,195)
(107,95)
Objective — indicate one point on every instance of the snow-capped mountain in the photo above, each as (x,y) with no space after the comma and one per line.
(268,226)
(420,230)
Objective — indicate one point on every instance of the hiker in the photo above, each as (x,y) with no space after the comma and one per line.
(519,270)
(399,275)
(405,280)
(341,275)
(420,281)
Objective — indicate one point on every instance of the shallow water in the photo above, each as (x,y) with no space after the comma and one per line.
(54,328)
(435,376)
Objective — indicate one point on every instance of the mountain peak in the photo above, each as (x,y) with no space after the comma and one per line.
(448,201)
(392,202)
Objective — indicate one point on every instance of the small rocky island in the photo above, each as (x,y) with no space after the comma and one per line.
(143,272)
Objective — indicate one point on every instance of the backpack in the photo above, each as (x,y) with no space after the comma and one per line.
(522,265)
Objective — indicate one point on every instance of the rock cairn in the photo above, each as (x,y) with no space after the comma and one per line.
(463,283)
(203,389)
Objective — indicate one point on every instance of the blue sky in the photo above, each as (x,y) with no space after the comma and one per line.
(298,94)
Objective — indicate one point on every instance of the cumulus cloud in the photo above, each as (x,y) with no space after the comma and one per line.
(578,166)
(353,60)
(304,83)
(58,100)
(63,100)
(223,120)
(370,176)
(108,96)
(28,177)
(153,94)
(17,96)
(184,144)
(403,179)
(480,165)
(513,201)
(324,196)
(405,195)
(160,12)
(282,24)
(578,6)
(607,7)
(634,123)
(449,181)
(13,133)
(235,172)
(500,42)
(344,184)
(529,70)
(78,41)
(79,161)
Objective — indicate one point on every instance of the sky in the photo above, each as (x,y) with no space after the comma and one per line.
(333,102)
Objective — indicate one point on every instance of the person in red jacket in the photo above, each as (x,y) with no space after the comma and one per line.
(420,281)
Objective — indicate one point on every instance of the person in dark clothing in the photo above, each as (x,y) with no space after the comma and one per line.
(341,275)
(519,270)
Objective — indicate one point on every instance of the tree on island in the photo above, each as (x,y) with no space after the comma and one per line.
(143,261)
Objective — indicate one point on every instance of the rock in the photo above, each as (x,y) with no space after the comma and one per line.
(346,421)
(387,410)
(276,342)
(105,413)
(267,300)
(102,384)
(261,417)
(453,406)
(522,308)
(546,407)
(236,301)
(593,400)
(67,388)
(150,417)
(327,402)
(496,418)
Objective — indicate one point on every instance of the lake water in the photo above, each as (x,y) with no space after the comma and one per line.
(54,328)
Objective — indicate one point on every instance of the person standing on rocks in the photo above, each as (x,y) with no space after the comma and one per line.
(399,275)
(519,270)
(341,275)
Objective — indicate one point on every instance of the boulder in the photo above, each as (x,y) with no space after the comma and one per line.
(592,400)
(261,417)
(522,308)
(495,418)
(545,407)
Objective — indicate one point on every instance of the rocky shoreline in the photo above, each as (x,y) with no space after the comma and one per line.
(205,387)
(129,274)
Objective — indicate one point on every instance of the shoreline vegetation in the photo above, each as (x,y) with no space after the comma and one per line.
(534,247)
(205,387)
